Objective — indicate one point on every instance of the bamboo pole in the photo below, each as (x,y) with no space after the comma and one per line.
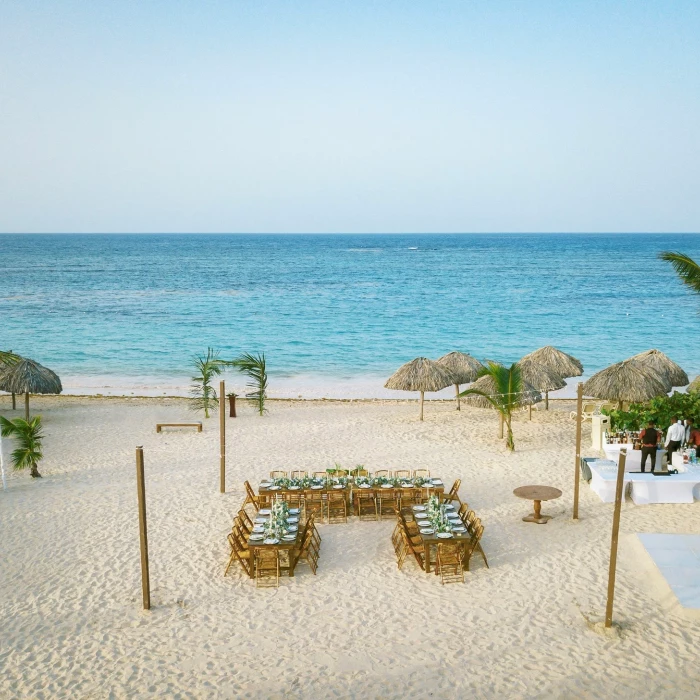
(577,465)
(141,492)
(457,391)
(422,395)
(615,534)
(222,436)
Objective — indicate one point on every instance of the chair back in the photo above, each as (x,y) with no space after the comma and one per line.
(421,472)
(402,473)
(278,474)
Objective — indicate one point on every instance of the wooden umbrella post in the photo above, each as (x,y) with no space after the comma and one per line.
(577,465)
(615,534)
(26,405)
(546,401)
(457,391)
(222,436)
(422,395)
(14,401)
(141,492)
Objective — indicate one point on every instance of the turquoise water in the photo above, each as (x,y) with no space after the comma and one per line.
(120,310)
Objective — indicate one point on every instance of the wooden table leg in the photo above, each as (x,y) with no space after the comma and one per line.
(537,516)
(426,552)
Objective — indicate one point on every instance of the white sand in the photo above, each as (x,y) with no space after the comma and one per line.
(71,623)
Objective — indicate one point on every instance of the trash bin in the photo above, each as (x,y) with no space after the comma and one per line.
(599,425)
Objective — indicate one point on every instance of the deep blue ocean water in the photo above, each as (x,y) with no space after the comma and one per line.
(116,309)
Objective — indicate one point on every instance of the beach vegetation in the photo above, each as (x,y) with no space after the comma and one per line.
(686,268)
(28,438)
(255,368)
(508,395)
(660,409)
(202,393)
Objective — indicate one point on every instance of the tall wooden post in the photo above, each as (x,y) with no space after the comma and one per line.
(422,396)
(546,401)
(615,533)
(14,401)
(222,436)
(577,465)
(26,405)
(141,491)
(457,392)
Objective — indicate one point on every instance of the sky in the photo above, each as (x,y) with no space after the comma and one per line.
(226,116)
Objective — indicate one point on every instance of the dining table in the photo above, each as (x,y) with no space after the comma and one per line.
(433,539)
(286,546)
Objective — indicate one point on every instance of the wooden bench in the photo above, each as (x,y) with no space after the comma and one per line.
(160,426)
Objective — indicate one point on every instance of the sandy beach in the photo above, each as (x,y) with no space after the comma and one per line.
(70,601)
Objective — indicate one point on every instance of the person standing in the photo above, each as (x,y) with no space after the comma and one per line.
(650,437)
(692,435)
(674,439)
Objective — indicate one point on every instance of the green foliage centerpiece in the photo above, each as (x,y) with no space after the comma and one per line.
(436,513)
(276,527)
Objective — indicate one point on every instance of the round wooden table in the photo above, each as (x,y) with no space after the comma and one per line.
(537,494)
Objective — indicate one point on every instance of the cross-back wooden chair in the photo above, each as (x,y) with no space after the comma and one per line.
(250,496)
(320,475)
(366,504)
(360,472)
(336,508)
(295,499)
(315,503)
(448,564)
(278,474)
(340,472)
(399,545)
(238,552)
(298,474)
(267,568)
(408,497)
(383,472)
(388,503)
(402,473)
(425,473)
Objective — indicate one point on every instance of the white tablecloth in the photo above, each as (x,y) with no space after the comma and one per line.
(633,462)
(646,488)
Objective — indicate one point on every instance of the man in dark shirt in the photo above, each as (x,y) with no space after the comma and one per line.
(649,438)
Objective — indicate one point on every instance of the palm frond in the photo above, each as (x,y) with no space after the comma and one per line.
(686,268)
(202,393)
(29,436)
(255,368)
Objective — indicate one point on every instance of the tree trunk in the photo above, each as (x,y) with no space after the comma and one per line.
(14,402)
(510,444)
(26,405)
(422,394)
(34,472)
(457,389)
(500,425)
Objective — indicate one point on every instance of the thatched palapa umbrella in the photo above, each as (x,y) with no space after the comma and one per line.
(670,373)
(465,368)
(421,375)
(487,385)
(539,376)
(556,361)
(7,359)
(29,377)
(694,385)
(625,381)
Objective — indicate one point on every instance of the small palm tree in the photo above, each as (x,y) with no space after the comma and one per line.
(203,395)
(508,394)
(686,268)
(254,367)
(7,357)
(28,435)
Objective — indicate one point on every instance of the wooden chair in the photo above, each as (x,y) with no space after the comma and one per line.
(278,474)
(425,473)
(402,473)
(463,510)
(299,474)
(240,553)
(366,504)
(315,533)
(452,494)
(382,472)
(251,497)
(414,548)
(448,564)
(267,568)
(309,553)
(399,545)
(336,507)
(388,502)
(315,503)
(340,472)
(477,531)
(321,475)
(295,499)
(408,497)
(244,522)
(360,472)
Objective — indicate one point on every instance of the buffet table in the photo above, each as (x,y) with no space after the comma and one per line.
(646,487)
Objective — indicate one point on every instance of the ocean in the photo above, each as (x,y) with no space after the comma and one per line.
(334,314)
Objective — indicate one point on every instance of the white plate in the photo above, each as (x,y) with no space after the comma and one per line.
(459,529)
(261,520)
(449,506)
(256,538)
(292,511)
(406,486)
(274,488)
(274,540)
(264,511)
(317,487)
(387,486)
(265,483)
(444,535)
(294,488)
(453,516)
(437,482)
(418,507)
(292,520)
(427,531)
(338,486)
(259,528)
(363,486)
(289,538)
(292,528)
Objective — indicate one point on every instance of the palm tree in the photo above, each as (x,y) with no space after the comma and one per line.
(28,452)
(686,268)
(203,394)
(254,367)
(507,396)
(7,357)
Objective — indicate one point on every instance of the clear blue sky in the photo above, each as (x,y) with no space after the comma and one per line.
(349,116)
